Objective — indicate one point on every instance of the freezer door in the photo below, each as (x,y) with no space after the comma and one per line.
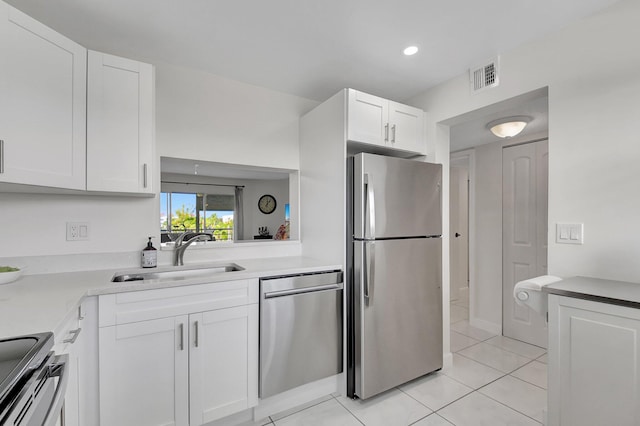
(394,197)
(397,313)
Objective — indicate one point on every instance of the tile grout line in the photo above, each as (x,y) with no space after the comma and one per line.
(511,371)
(478,391)
(511,408)
(419,402)
(509,374)
(523,380)
(302,409)
(513,352)
(348,411)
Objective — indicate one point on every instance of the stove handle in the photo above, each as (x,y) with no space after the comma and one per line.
(58,368)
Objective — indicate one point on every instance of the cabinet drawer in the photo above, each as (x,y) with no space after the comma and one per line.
(122,308)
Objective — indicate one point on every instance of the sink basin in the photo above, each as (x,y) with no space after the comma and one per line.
(181,273)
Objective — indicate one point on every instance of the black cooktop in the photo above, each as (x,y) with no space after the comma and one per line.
(19,356)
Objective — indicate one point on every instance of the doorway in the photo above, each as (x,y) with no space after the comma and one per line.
(459,226)
(524,234)
(469,135)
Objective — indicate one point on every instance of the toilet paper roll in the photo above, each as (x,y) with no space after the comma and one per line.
(529,292)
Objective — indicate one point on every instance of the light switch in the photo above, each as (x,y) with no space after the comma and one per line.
(570,233)
(574,233)
(564,233)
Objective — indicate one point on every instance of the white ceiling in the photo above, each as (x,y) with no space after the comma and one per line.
(221,170)
(312,48)
(470,130)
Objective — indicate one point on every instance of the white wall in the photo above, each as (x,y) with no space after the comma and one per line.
(488,225)
(254,218)
(203,116)
(591,70)
(199,116)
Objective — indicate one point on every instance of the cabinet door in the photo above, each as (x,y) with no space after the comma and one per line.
(224,362)
(119,124)
(594,363)
(42,104)
(144,373)
(367,118)
(406,130)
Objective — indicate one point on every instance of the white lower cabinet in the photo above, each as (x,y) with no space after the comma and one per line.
(594,363)
(144,373)
(223,374)
(183,370)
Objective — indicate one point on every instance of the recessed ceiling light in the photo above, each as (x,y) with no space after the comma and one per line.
(411,50)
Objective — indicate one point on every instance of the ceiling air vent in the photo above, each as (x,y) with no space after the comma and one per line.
(485,76)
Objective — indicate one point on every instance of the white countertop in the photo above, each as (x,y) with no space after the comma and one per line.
(38,303)
(599,290)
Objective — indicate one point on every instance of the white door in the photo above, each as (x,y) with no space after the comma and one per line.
(144,373)
(119,124)
(42,104)
(524,235)
(223,362)
(459,228)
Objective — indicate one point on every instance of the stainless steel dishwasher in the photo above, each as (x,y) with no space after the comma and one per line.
(300,330)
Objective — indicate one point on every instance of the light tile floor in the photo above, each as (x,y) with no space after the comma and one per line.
(493,381)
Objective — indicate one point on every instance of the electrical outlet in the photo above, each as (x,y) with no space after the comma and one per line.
(77,231)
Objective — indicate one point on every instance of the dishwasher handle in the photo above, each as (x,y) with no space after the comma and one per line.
(293,291)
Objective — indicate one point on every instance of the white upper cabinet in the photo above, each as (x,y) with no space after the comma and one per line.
(42,104)
(377,121)
(407,128)
(120,122)
(367,118)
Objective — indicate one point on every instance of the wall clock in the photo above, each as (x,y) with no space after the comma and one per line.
(267,204)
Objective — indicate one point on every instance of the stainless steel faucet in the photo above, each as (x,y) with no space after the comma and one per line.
(180,246)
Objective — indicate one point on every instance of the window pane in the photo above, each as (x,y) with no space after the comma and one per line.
(183,212)
(220,223)
(164,208)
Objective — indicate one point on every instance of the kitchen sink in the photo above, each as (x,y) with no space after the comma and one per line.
(181,273)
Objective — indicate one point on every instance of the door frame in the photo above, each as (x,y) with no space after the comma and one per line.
(469,156)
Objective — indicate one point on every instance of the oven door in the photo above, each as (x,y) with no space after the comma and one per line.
(39,401)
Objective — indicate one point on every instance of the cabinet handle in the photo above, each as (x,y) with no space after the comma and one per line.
(73,339)
(181,328)
(195,324)
(144,175)
(393,134)
(80,316)
(1,156)
(386,132)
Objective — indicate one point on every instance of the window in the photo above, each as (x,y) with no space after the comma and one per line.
(193,212)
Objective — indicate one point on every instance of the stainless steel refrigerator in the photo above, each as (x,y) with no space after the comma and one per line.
(394,285)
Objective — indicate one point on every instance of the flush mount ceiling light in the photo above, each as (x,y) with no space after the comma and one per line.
(411,50)
(508,127)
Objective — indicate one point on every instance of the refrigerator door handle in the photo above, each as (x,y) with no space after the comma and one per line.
(371,207)
(369,269)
